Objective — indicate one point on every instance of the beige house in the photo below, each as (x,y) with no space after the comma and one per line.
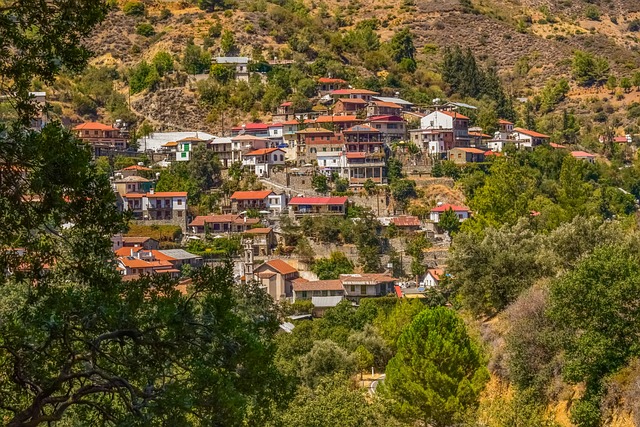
(276,278)
(369,285)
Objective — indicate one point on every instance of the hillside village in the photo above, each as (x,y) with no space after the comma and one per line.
(296,213)
(305,165)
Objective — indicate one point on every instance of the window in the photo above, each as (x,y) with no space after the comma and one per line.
(303,294)
(183,155)
(325,293)
(179,214)
(459,155)
(282,157)
(324,148)
(179,202)
(363,289)
(275,157)
(353,288)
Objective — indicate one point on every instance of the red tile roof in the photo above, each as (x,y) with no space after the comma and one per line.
(386,104)
(336,119)
(360,129)
(454,115)
(286,104)
(318,201)
(504,122)
(291,122)
(581,154)
(492,153)
(356,155)
(136,168)
(531,133)
(469,150)
(366,277)
(554,145)
(128,250)
(398,291)
(251,195)
(133,196)
(201,220)
(281,266)
(446,207)
(436,273)
(262,152)
(330,80)
(134,239)
(260,230)
(353,92)
(480,134)
(317,285)
(406,221)
(94,126)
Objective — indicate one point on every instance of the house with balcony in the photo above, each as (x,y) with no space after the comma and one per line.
(449,120)
(363,94)
(303,206)
(223,148)
(239,64)
(101,136)
(328,153)
(528,139)
(262,161)
(134,170)
(157,208)
(132,184)
(284,112)
(335,123)
(323,293)
(383,108)
(392,128)
(263,240)
(203,225)
(434,142)
(371,285)
(327,85)
(263,200)
(243,144)
(365,157)
(349,106)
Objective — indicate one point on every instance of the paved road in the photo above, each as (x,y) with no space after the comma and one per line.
(374,384)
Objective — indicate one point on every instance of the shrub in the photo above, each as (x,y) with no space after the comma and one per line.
(145,29)
(165,14)
(592,13)
(133,8)
(634,25)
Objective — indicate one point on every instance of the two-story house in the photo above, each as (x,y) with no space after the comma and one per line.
(349,106)
(353,93)
(239,64)
(528,139)
(327,85)
(301,206)
(449,120)
(263,200)
(161,208)
(220,224)
(392,128)
(358,286)
(365,156)
(262,161)
(100,135)
(185,147)
(223,149)
(383,108)
(243,144)
(255,129)
(276,278)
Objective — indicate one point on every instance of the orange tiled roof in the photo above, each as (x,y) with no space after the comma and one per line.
(251,195)
(281,266)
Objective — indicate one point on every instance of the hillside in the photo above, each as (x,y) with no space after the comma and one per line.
(529,41)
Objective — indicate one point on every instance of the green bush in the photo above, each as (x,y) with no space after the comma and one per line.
(145,29)
(134,8)
(592,13)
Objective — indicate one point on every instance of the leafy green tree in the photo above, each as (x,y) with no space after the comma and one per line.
(145,29)
(304,250)
(222,73)
(491,271)
(401,46)
(204,167)
(320,184)
(211,5)
(363,358)
(143,76)
(487,118)
(195,60)
(227,42)
(370,187)
(332,267)
(394,169)
(325,359)
(341,185)
(402,191)
(591,305)
(134,8)
(334,402)
(450,169)
(438,372)
(163,61)
(635,79)
(415,248)
(449,222)
(589,69)
(612,83)
(625,84)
